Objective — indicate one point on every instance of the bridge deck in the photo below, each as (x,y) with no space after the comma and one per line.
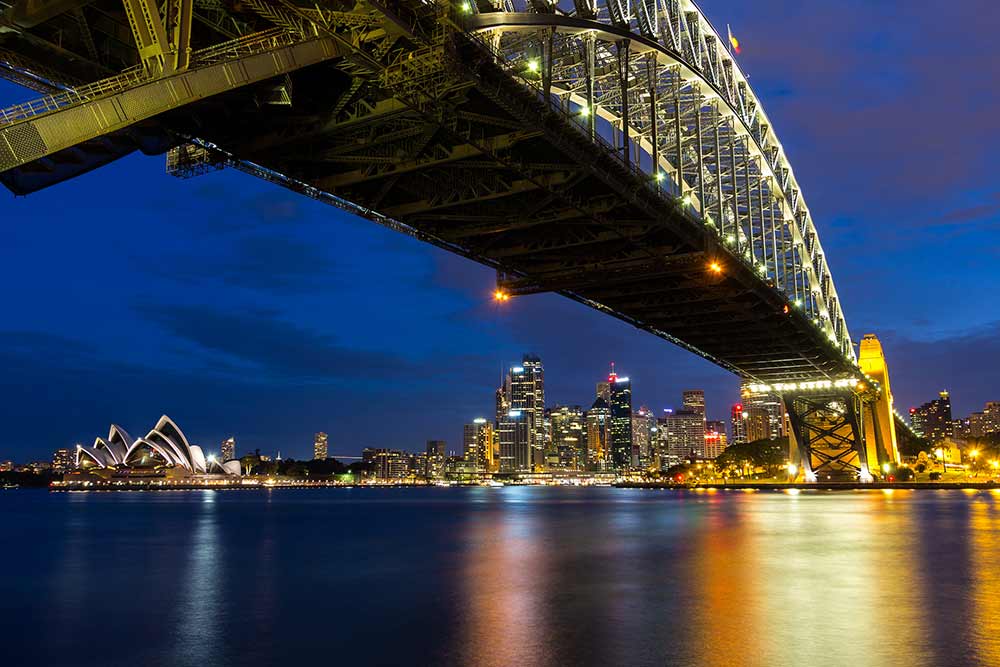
(440,136)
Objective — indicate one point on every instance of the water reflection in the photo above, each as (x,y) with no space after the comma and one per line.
(201,605)
(514,576)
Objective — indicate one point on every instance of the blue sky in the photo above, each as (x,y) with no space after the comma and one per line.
(241,309)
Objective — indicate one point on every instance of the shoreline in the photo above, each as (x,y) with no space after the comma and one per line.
(741,486)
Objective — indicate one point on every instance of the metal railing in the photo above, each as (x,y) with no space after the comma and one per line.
(248,45)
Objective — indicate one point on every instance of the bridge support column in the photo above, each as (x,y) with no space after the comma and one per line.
(828,432)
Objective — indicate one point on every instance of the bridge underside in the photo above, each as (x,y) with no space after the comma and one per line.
(457,149)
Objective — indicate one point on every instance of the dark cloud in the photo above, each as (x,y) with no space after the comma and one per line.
(277,348)
(278,264)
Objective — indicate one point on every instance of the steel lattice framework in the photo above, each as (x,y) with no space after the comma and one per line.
(677,103)
(613,153)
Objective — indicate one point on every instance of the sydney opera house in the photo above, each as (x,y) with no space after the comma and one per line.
(164,450)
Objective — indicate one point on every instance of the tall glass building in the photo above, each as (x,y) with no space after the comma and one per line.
(621,422)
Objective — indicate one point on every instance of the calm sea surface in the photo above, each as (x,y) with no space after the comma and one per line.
(515,576)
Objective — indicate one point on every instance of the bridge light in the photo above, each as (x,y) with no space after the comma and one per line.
(885,468)
(660,176)
(793,470)
(715,267)
(730,239)
(798,303)
(500,295)
(533,65)
(466,7)
(762,269)
(686,200)
(584,110)
(974,453)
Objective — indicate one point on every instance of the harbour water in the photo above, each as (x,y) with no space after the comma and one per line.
(500,576)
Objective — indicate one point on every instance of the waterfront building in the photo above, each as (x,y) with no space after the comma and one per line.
(416,465)
(984,423)
(62,460)
(738,424)
(6,466)
(568,431)
(164,447)
(598,421)
(514,435)
(437,452)
(320,450)
(228,449)
(621,422)
(386,463)
(932,420)
(477,444)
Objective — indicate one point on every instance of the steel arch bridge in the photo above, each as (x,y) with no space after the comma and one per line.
(614,153)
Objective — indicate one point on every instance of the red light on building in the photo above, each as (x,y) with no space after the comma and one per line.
(738,407)
(913,411)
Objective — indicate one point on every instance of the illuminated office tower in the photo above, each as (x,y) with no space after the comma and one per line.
(514,434)
(569,436)
(598,420)
(524,392)
(319,446)
(478,444)
(694,401)
(738,424)
(684,433)
(643,442)
(228,449)
(621,422)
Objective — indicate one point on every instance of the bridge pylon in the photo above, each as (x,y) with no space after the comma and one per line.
(841,429)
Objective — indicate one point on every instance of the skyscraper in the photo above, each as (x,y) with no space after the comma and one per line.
(228,449)
(478,444)
(643,432)
(598,419)
(569,436)
(694,401)
(514,434)
(738,424)
(524,392)
(319,446)
(621,422)
(932,420)
(685,434)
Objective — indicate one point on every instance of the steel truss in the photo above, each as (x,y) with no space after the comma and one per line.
(673,99)
(828,429)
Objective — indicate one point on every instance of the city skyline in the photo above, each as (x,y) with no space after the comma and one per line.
(224,253)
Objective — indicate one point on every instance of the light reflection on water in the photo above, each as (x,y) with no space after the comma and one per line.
(513,576)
